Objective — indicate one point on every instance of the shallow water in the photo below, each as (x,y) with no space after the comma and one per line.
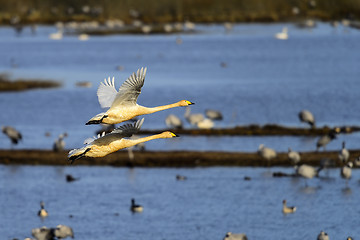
(211,202)
(265,81)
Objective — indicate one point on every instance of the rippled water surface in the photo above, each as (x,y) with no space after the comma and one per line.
(211,202)
(265,81)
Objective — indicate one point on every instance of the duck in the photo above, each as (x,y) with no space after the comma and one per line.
(266,153)
(122,104)
(180,177)
(323,236)
(287,209)
(235,236)
(63,231)
(283,35)
(307,117)
(13,134)
(172,121)
(344,154)
(70,178)
(119,138)
(42,212)
(135,207)
(293,156)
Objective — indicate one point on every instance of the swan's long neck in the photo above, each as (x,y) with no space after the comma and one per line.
(161,108)
(133,142)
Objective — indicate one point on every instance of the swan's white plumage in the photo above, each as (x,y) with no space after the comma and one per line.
(128,92)
(106,92)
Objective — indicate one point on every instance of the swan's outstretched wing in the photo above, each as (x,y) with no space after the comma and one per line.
(106,92)
(130,89)
(128,130)
(90,140)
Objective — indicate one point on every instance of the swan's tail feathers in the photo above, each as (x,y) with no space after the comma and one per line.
(75,154)
(97,119)
(128,130)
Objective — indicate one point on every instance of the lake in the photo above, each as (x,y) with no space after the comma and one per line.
(265,80)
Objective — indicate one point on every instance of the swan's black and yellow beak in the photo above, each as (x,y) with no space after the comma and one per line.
(174,135)
(189,103)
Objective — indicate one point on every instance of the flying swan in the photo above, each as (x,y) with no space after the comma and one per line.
(122,104)
(114,141)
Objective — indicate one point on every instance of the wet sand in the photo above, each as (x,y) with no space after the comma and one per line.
(166,158)
(25,84)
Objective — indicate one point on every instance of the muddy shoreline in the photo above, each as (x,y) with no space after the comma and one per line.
(166,159)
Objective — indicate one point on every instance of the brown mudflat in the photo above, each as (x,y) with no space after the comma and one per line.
(166,158)
(21,84)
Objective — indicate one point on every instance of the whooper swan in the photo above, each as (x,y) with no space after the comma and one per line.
(122,104)
(114,141)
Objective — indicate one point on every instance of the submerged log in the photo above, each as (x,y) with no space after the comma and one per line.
(166,158)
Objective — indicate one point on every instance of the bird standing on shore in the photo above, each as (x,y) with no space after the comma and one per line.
(42,212)
(213,114)
(344,154)
(287,209)
(63,231)
(346,171)
(59,143)
(14,135)
(325,140)
(172,121)
(307,117)
(114,141)
(122,104)
(266,153)
(293,156)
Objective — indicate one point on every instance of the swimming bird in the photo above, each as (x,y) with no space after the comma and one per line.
(287,209)
(235,236)
(307,117)
(283,35)
(62,231)
(135,207)
(213,114)
(266,153)
(14,135)
(172,121)
(70,178)
(59,143)
(344,154)
(193,118)
(114,141)
(205,124)
(180,177)
(122,104)
(293,156)
(43,233)
(346,171)
(324,140)
(323,236)
(42,212)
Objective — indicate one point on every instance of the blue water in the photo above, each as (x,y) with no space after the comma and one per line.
(211,202)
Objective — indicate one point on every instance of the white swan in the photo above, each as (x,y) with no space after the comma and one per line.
(114,141)
(122,104)
(283,35)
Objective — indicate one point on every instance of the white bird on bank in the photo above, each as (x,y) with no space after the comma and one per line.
(266,153)
(62,231)
(14,135)
(235,236)
(114,141)
(325,140)
(122,104)
(307,171)
(283,35)
(213,114)
(43,233)
(172,121)
(193,118)
(294,157)
(307,117)
(344,154)
(59,143)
